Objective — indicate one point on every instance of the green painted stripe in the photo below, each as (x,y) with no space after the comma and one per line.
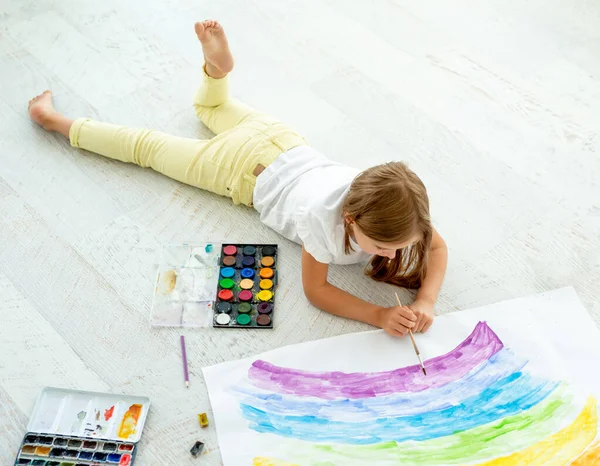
(487,441)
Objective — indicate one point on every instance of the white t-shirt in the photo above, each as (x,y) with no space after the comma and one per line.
(300,196)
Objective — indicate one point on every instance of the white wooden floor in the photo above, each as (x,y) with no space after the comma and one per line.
(495,104)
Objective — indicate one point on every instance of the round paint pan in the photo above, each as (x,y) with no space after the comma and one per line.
(230,250)
(229,261)
(263,320)
(226,283)
(265,308)
(245,295)
(266,273)
(246,284)
(224,307)
(223,319)
(225,295)
(247,273)
(268,251)
(227,272)
(266,284)
(265,295)
(244,308)
(249,250)
(243,319)
(267,261)
(248,261)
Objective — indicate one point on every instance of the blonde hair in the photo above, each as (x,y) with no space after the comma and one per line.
(389,203)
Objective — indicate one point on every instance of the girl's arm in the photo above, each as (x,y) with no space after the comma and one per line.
(428,293)
(322,294)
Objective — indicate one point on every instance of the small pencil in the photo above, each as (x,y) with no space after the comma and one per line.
(414,343)
(185,364)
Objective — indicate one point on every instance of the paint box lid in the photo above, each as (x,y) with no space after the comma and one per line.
(104,416)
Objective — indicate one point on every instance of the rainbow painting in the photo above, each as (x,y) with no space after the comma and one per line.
(482,402)
(476,405)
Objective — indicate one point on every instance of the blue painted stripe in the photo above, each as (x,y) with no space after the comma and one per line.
(509,395)
(499,366)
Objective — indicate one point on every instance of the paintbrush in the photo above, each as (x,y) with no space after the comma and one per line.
(414,343)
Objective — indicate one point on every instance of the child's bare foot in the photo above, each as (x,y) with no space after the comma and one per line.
(217,55)
(42,111)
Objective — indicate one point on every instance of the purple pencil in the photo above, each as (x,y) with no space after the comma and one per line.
(185,364)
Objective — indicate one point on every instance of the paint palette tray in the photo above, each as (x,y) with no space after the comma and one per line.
(76,428)
(187,277)
(246,288)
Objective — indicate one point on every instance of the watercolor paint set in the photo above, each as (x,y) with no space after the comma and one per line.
(247,282)
(223,285)
(77,428)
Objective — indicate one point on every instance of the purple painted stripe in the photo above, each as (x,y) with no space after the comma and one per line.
(476,349)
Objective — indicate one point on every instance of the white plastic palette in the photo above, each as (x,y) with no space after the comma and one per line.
(186,284)
(70,427)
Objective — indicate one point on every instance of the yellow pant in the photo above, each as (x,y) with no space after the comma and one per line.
(246,140)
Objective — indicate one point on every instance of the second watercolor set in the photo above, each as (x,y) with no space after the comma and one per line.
(215,284)
(70,427)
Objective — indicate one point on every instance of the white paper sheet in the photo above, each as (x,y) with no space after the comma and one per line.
(528,374)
